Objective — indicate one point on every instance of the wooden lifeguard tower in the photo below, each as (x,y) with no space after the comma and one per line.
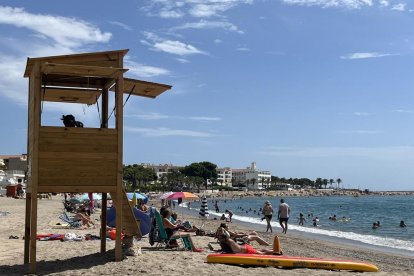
(79,160)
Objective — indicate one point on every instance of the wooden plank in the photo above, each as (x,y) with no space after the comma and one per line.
(77,173)
(103,59)
(98,131)
(80,70)
(55,146)
(33,163)
(58,164)
(85,96)
(27,220)
(80,165)
(77,189)
(103,221)
(83,181)
(77,155)
(119,104)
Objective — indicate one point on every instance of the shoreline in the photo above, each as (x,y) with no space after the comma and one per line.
(308,235)
(83,257)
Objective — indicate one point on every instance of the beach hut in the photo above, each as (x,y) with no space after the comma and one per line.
(66,159)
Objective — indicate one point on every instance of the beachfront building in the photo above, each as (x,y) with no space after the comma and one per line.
(14,169)
(224,176)
(162,169)
(252,178)
(14,162)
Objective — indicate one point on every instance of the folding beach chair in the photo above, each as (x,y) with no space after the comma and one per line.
(71,221)
(158,234)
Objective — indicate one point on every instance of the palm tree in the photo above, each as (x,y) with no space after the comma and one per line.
(331,182)
(338,182)
(318,183)
(325,182)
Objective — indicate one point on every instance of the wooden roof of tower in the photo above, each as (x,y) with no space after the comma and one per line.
(80,78)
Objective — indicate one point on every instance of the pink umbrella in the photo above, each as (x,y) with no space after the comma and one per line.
(183,195)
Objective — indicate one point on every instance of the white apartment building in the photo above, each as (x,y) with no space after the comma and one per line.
(224,176)
(161,169)
(252,178)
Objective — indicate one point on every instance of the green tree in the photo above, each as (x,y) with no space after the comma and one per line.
(205,170)
(135,175)
(338,183)
(331,182)
(325,182)
(318,183)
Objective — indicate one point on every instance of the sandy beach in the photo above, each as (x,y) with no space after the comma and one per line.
(83,257)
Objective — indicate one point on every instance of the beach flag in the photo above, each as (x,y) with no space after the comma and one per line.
(204,208)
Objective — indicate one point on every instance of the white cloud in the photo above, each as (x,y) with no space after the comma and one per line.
(388,153)
(12,83)
(404,111)
(122,25)
(148,116)
(361,114)
(144,71)
(183,60)
(366,55)
(159,116)
(170,46)
(69,32)
(202,118)
(159,132)
(243,49)
(195,8)
(359,131)
(351,4)
(204,24)
(399,7)
(384,3)
(217,41)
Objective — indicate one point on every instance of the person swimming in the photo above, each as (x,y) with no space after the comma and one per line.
(402,224)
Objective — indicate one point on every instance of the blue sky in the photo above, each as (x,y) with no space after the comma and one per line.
(306,88)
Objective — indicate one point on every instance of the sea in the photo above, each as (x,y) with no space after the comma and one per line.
(355,217)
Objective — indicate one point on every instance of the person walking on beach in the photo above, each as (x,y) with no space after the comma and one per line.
(283,215)
(230,214)
(267,211)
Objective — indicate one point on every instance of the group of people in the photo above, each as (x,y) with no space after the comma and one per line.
(238,242)
(282,215)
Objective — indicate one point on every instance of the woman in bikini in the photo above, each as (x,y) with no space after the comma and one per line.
(228,245)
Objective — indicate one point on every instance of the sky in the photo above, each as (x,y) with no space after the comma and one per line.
(305,88)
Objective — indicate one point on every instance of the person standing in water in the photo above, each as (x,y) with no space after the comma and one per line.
(283,215)
(301,219)
(267,211)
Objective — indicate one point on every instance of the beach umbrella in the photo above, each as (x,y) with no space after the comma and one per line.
(182,195)
(165,195)
(204,207)
(75,200)
(138,196)
(96,196)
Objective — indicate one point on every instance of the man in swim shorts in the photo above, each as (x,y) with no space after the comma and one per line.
(283,215)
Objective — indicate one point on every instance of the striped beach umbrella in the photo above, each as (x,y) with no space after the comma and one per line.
(204,207)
